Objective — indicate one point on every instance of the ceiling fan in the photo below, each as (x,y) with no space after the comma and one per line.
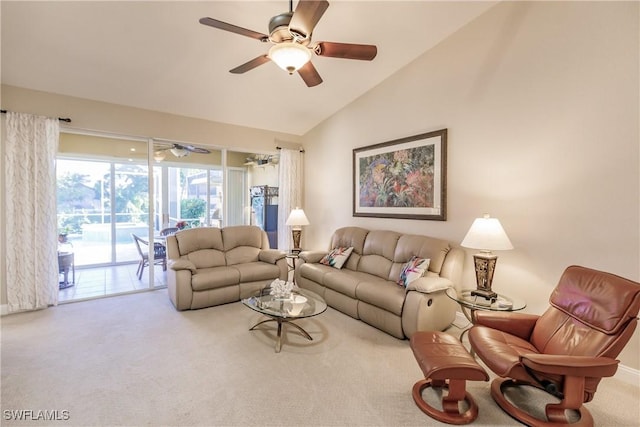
(179,150)
(290,33)
(261,160)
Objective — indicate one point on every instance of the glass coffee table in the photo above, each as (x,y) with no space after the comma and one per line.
(301,304)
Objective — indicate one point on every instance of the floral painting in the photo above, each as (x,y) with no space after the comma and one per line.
(402,179)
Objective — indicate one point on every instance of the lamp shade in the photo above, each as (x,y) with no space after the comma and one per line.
(297,218)
(290,56)
(486,233)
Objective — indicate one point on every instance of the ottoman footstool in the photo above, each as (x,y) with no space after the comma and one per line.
(447,364)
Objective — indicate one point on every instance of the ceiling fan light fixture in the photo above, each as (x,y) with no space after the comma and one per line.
(179,152)
(290,56)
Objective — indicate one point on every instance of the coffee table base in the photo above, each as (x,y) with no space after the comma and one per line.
(280,322)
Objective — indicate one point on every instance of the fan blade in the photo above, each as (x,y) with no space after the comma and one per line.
(196,149)
(364,52)
(306,16)
(310,75)
(190,148)
(247,66)
(234,29)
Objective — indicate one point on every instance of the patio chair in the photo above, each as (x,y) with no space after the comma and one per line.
(168,231)
(159,254)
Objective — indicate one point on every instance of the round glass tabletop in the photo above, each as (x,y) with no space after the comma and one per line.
(476,302)
(303,303)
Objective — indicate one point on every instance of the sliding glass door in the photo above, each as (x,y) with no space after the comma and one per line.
(187,189)
(116,195)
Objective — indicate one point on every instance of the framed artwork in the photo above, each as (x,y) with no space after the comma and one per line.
(404,178)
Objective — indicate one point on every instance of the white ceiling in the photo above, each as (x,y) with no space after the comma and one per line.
(155,55)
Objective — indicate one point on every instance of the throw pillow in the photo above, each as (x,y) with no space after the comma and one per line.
(413,270)
(337,257)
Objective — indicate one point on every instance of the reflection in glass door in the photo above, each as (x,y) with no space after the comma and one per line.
(131,208)
(84,210)
(187,188)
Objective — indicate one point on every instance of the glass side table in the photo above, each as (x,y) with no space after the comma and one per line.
(469,304)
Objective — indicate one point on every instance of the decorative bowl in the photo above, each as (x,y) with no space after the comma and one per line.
(297,304)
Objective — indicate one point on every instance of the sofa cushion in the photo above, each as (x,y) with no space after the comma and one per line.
(345,281)
(375,265)
(254,271)
(194,239)
(242,235)
(424,247)
(412,270)
(242,255)
(216,277)
(349,237)
(383,294)
(381,243)
(206,258)
(315,272)
(337,257)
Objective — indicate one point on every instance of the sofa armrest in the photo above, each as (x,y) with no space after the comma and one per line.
(427,285)
(312,256)
(270,255)
(181,264)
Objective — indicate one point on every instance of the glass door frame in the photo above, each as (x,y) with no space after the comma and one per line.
(151,166)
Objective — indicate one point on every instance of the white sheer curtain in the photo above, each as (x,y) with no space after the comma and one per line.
(30,199)
(289,194)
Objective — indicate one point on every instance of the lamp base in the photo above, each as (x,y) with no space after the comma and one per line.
(296,235)
(485,263)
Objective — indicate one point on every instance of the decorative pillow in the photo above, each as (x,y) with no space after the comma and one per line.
(337,257)
(413,270)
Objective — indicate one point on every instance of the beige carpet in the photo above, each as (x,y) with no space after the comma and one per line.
(133,360)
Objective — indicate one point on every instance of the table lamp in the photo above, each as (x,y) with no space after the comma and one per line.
(486,234)
(296,220)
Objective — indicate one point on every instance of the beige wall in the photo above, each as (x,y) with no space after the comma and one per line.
(541,104)
(127,121)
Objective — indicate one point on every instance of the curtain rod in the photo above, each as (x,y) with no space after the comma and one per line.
(62,119)
(280,148)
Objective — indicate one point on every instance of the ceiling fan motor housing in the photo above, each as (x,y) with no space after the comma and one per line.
(279,30)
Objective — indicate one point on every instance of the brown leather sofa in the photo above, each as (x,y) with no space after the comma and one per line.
(210,266)
(366,286)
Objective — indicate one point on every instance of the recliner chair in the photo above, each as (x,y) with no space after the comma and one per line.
(567,350)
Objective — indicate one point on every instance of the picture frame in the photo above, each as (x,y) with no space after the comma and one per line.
(405,178)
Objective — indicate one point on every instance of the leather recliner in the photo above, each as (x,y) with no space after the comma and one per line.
(567,350)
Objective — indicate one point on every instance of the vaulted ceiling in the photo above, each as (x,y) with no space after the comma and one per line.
(156,55)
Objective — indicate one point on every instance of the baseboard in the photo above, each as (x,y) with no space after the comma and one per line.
(624,373)
(628,375)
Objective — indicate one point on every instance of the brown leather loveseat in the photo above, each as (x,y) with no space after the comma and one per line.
(210,266)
